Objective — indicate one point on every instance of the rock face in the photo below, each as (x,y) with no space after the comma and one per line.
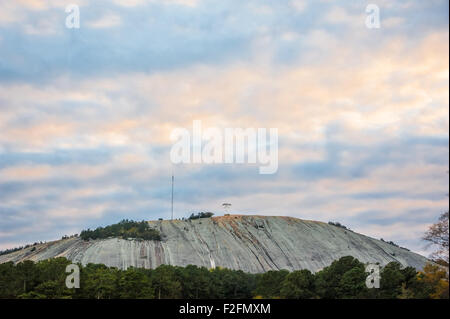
(250,243)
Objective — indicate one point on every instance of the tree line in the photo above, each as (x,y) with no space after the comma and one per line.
(11,250)
(124,229)
(344,278)
(201,215)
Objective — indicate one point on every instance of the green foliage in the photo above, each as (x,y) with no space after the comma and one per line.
(101,282)
(393,244)
(353,283)
(201,215)
(235,283)
(45,279)
(194,282)
(10,285)
(32,295)
(392,278)
(269,284)
(135,284)
(338,224)
(11,250)
(344,278)
(124,229)
(298,285)
(165,282)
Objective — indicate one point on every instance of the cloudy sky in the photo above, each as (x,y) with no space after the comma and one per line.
(86,114)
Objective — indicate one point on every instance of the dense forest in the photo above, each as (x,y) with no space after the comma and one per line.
(124,229)
(344,278)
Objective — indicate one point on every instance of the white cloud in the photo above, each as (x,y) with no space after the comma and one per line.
(371,95)
(299,5)
(392,22)
(339,15)
(134,3)
(108,20)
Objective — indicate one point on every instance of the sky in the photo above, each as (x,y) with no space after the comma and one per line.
(86,113)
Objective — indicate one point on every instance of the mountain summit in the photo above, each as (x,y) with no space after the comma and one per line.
(242,242)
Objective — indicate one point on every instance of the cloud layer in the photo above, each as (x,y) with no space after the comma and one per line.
(86,114)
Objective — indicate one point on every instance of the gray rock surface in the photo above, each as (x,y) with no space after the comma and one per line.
(249,243)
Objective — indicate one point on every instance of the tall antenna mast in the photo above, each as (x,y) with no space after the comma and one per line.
(173,179)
